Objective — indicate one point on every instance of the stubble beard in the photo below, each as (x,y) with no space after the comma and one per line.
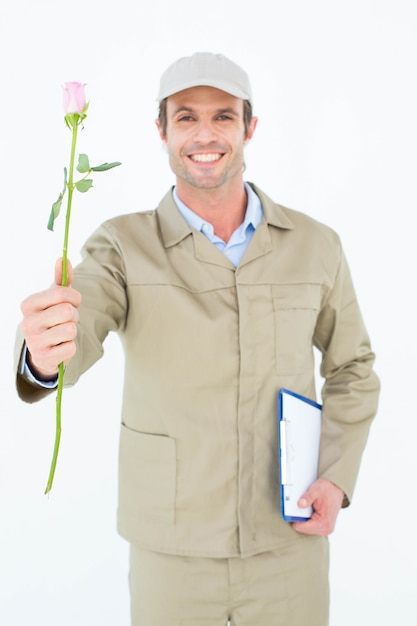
(206,179)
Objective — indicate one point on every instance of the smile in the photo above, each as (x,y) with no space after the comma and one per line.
(206,158)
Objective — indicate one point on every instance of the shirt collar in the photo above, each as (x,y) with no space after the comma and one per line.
(253,215)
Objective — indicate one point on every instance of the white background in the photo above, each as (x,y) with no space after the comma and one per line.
(335,91)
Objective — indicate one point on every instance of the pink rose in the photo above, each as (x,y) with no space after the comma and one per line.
(74,98)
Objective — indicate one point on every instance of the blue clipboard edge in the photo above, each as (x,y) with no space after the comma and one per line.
(283,391)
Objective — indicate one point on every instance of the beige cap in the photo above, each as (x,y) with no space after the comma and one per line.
(205,68)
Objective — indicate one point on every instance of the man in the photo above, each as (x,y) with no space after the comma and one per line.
(219,296)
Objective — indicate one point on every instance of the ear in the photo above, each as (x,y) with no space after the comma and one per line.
(159,127)
(251,129)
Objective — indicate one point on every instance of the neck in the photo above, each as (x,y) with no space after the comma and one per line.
(224,208)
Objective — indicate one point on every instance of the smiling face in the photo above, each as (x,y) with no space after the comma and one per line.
(205,137)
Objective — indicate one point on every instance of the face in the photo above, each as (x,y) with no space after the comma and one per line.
(205,137)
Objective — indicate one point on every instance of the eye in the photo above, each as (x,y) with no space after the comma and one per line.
(186,118)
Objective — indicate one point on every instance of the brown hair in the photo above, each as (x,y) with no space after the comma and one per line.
(247,115)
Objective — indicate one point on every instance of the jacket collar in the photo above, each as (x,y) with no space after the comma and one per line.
(173,226)
(275,214)
(174,229)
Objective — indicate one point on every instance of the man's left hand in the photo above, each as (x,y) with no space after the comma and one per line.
(326,500)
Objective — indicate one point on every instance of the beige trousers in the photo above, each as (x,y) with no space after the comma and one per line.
(287,587)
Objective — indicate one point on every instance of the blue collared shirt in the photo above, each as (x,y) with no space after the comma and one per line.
(235,248)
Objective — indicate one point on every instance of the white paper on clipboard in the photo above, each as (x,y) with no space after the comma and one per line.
(299,427)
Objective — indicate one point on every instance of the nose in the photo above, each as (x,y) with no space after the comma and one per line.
(204,132)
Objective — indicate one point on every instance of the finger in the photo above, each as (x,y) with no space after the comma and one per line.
(308,498)
(51,347)
(55,317)
(308,528)
(58,272)
(46,362)
(43,300)
(305,502)
(61,319)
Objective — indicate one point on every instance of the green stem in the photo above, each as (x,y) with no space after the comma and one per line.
(58,428)
(64,282)
(71,188)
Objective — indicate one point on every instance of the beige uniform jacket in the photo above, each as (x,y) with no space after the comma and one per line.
(207,348)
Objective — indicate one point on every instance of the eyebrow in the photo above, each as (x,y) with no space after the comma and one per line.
(221,111)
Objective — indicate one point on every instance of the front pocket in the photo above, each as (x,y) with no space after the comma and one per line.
(147,476)
(296,308)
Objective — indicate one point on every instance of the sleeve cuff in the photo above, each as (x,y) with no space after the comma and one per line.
(24,370)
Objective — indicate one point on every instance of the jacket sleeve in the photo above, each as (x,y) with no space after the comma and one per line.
(100,279)
(351,388)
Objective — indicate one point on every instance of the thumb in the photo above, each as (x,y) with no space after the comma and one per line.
(58,272)
(307,499)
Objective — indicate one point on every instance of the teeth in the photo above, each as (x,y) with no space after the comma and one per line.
(205,158)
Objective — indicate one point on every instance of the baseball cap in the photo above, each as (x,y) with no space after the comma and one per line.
(205,69)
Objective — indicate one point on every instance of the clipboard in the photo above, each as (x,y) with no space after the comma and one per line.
(299,427)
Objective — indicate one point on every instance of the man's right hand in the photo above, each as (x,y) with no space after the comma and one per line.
(49,325)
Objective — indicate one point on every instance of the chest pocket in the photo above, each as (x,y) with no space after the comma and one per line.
(296,308)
